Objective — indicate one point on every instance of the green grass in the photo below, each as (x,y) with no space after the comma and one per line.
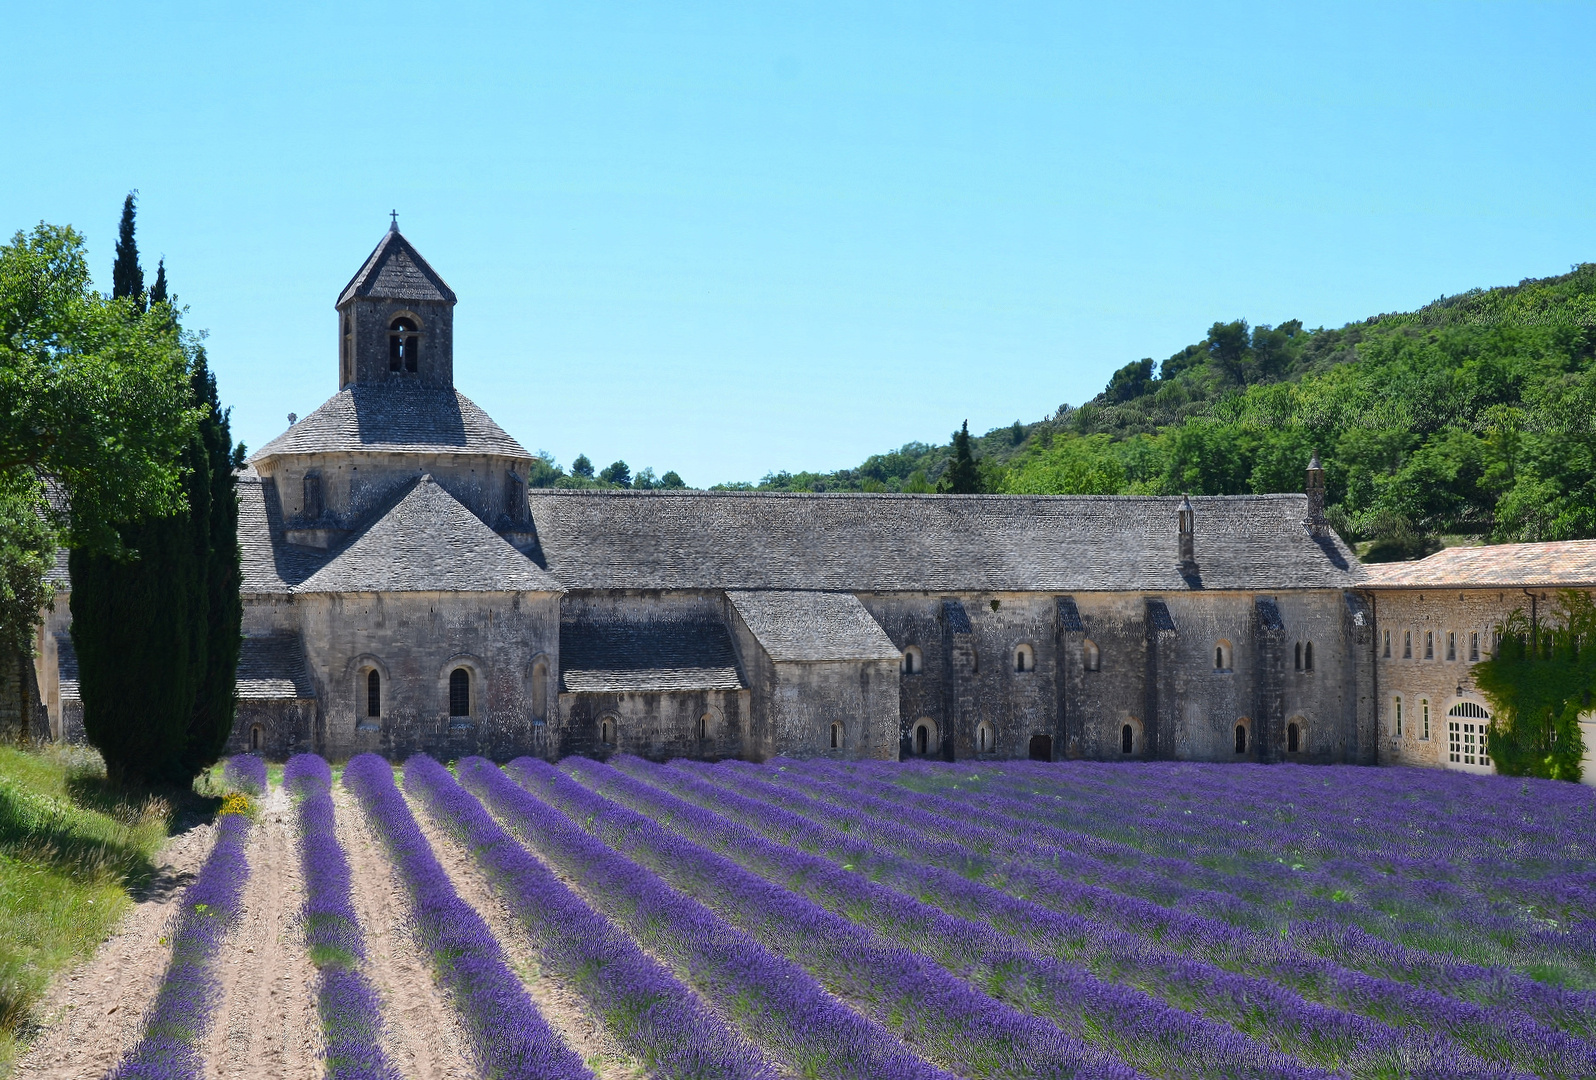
(71,850)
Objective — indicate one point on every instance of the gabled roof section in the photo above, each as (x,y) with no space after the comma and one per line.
(395,419)
(813,626)
(1563,564)
(607,657)
(428,542)
(268,564)
(932,543)
(396,271)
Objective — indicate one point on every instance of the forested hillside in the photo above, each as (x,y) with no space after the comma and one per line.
(1471,417)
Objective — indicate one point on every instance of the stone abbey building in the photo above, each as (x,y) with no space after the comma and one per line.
(404,590)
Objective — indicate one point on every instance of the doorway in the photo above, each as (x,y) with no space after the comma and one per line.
(1041,748)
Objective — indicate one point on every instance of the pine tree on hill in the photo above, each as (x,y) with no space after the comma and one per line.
(127,277)
(963,476)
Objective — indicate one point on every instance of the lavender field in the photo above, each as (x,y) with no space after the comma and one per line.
(882,920)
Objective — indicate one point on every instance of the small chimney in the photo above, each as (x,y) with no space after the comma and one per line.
(1315,488)
(1185,517)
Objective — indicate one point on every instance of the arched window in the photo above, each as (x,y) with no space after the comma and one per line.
(1307,656)
(913,661)
(1298,663)
(1024,658)
(985,738)
(373,693)
(1396,704)
(1429,644)
(1222,656)
(703,727)
(404,345)
(924,737)
(1386,637)
(1424,717)
(254,737)
(1451,645)
(459,692)
(836,736)
(1291,738)
(1091,659)
(1127,739)
(1474,645)
(609,731)
(1407,644)
(1241,738)
(540,689)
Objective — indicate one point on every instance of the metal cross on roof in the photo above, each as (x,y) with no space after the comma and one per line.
(393,225)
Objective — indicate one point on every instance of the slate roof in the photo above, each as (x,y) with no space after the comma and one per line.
(427,542)
(1561,564)
(395,419)
(884,542)
(802,626)
(66,666)
(616,657)
(269,567)
(271,667)
(396,271)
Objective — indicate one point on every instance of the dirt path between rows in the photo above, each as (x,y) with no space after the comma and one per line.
(265,1025)
(96,1013)
(421,1034)
(557,1001)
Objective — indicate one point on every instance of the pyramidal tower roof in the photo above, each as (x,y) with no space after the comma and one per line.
(396,271)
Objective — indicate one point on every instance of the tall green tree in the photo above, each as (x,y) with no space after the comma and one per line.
(127,277)
(963,477)
(157,629)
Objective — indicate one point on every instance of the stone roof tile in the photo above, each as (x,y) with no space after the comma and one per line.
(428,542)
(66,666)
(964,543)
(813,626)
(268,564)
(395,270)
(395,419)
(271,667)
(1554,565)
(621,657)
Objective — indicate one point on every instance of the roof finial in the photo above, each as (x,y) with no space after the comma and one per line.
(393,225)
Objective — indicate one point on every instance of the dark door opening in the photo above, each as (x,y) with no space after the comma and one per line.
(921,738)
(1241,738)
(1041,748)
(1291,738)
(1126,737)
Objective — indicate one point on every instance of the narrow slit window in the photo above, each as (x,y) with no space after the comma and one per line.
(1451,645)
(1474,646)
(373,693)
(1397,702)
(1407,644)
(1307,656)
(1386,651)
(1429,644)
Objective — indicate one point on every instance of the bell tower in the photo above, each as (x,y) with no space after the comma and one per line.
(396,321)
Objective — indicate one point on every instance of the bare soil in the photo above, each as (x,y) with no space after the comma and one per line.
(422,1036)
(266,1024)
(557,1001)
(96,1013)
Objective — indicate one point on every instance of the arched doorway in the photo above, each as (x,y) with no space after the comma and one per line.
(923,740)
(1468,730)
(1041,748)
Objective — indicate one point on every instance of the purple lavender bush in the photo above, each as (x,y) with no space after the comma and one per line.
(651,1013)
(770,997)
(246,773)
(509,1039)
(936,1012)
(190,990)
(346,1004)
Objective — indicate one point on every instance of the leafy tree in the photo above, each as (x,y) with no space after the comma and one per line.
(582,467)
(544,471)
(94,394)
(1131,381)
(618,473)
(672,481)
(645,479)
(962,477)
(1539,683)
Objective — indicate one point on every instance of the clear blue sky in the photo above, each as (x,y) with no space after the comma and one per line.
(734,238)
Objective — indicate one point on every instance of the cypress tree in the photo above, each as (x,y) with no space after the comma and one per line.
(222,609)
(158,290)
(127,277)
(142,625)
(962,477)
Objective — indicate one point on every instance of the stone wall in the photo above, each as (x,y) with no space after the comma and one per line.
(1411,620)
(414,641)
(705,724)
(369,321)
